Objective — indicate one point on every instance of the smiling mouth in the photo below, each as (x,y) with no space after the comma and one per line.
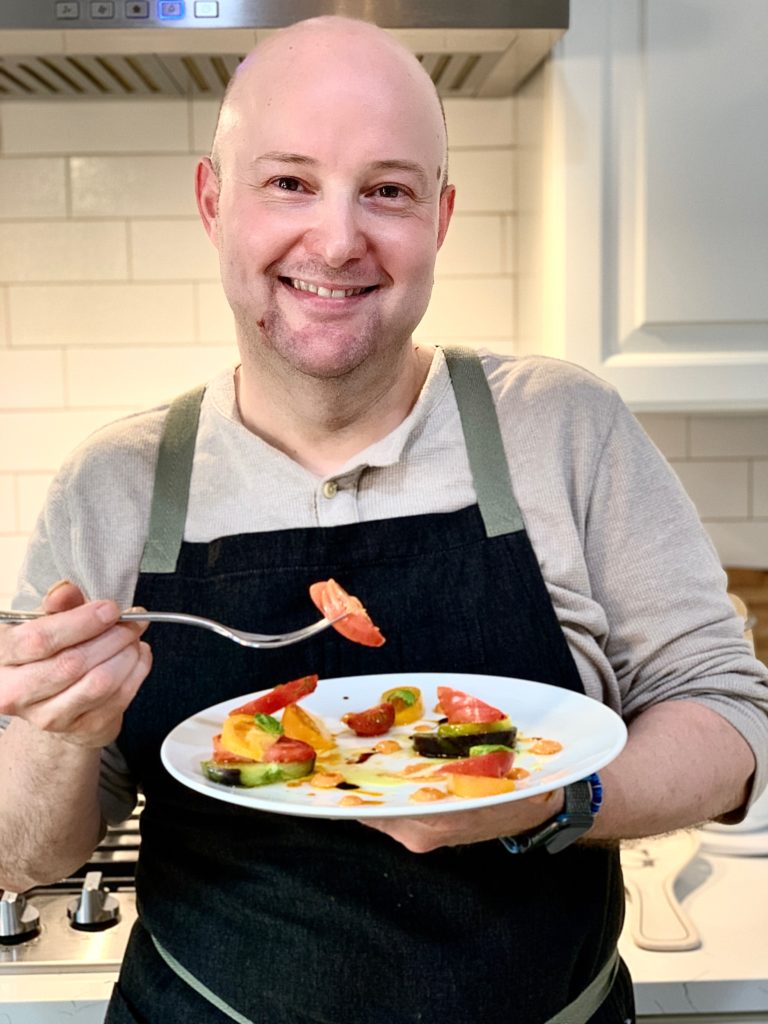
(326,293)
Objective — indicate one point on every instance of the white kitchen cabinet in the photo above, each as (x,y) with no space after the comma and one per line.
(643,201)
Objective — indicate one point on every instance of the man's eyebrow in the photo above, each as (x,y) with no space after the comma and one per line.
(276,157)
(403,165)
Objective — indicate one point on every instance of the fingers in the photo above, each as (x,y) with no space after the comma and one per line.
(422,835)
(61,597)
(44,638)
(75,670)
(85,717)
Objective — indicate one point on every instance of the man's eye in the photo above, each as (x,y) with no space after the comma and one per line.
(288,184)
(390,192)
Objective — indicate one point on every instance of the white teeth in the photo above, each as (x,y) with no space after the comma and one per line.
(325,293)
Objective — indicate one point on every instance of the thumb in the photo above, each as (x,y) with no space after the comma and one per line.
(62,596)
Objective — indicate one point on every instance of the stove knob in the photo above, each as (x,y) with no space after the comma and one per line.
(94,909)
(19,921)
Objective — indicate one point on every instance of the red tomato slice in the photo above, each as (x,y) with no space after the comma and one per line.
(372,722)
(495,765)
(333,600)
(462,707)
(289,751)
(221,754)
(279,697)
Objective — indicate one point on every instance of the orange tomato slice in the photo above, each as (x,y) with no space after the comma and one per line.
(301,725)
(241,735)
(333,600)
(472,786)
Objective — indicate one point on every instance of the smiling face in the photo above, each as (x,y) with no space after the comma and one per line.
(328,207)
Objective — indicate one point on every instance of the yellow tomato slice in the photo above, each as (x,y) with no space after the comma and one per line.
(472,786)
(405,711)
(301,725)
(241,735)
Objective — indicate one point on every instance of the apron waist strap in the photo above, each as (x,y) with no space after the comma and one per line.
(198,986)
(584,1006)
(579,1011)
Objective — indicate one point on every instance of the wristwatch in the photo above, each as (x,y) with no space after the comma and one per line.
(582,802)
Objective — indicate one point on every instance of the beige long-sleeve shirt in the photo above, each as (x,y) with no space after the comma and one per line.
(634,580)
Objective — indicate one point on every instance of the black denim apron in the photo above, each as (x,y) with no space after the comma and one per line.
(291,920)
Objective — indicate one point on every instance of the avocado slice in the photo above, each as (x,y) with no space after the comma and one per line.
(434,745)
(255,773)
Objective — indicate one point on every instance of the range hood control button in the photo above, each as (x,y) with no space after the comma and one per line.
(94,909)
(19,921)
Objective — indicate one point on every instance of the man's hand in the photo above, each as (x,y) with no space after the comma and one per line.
(75,671)
(422,835)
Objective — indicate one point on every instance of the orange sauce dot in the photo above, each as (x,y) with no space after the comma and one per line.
(542,746)
(427,794)
(387,747)
(326,780)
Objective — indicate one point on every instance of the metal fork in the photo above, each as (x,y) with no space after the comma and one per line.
(239,636)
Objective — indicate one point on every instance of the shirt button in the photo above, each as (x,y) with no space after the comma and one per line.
(330,489)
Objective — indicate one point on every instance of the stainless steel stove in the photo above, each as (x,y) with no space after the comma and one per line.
(81,923)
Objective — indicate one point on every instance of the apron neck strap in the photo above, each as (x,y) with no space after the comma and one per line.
(485,448)
(173,473)
(479,423)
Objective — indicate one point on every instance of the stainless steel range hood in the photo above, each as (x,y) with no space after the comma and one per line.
(130,48)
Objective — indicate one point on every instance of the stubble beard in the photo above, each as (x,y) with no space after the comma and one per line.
(321,352)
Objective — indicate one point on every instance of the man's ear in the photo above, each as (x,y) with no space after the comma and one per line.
(207,195)
(447,200)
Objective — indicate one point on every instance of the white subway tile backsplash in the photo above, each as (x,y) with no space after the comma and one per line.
(102,314)
(140,377)
(63,251)
(9,519)
(729,436)
(204,115)
(719,489)
(133,186)
(33,188)
(489,123)
(95,126)
(172,250)
(38,441)
(462,305)
(31,380)
(11,556)
(668,431)
(742,544)
(214,317)
(32,489)
(760,488)
(3,317)
(473,245)
(484,180)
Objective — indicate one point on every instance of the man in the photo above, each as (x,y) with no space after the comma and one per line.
(338,448)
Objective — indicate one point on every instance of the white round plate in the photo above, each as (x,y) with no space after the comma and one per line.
(590,733)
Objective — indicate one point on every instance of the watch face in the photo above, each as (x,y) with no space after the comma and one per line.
(568,828)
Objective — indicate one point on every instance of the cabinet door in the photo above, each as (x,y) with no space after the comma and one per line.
(660,171)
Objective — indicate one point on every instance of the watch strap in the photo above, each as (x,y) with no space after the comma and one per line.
(583,800)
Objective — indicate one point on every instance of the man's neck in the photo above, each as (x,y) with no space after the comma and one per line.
(321,424)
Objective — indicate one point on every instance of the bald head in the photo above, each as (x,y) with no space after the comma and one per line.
(331,58)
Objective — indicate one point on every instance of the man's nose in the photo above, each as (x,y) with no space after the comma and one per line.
(337,235)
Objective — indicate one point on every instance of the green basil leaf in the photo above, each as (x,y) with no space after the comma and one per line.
(268,723)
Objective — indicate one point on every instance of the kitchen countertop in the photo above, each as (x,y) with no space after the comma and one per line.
(725,896)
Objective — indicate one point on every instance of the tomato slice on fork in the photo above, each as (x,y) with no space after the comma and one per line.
(333,600)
